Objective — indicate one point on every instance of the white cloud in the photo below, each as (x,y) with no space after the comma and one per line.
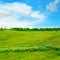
(53,5)
(11,13)
(36,14)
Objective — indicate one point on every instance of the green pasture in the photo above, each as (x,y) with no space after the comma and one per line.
(10,39)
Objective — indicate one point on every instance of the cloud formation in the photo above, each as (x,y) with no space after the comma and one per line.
(16,15)
(53,5)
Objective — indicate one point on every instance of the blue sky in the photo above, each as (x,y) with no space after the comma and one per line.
(30,13)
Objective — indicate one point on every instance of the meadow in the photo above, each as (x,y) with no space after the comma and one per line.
(29,45)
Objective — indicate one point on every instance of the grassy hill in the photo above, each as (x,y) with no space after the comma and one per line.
(29,45)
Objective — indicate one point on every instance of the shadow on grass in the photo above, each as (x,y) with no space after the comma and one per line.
(31,49)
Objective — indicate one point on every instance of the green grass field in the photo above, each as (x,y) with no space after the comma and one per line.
(29,45)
